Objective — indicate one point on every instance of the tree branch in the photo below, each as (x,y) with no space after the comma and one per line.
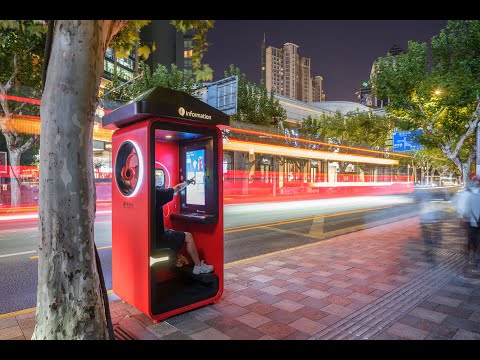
(18,107)
(471,128)
(48,49)
(9,83)
(29,144)
(437,115)
(421,109)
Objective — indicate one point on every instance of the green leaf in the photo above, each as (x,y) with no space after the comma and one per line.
(144,52)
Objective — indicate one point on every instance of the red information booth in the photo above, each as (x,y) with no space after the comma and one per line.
(162,138)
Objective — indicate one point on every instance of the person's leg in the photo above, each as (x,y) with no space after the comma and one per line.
(191,248)
(200,266)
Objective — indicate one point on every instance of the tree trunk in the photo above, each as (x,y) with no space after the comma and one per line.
(465,167)
(15,184)
(69,296)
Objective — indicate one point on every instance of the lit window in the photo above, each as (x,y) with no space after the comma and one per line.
(187,53)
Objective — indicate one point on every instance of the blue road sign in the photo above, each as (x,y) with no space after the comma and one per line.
(406,141)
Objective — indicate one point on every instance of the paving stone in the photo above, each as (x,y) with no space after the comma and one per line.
(276,330)
(223,323)
(338,300)
(162,329)
(475,316)
(297,335)
(210,334)
(232,310)
(444,330)
(10,332)
(337,310)
(8,322)
(458,312)
(317,294)
(178,335)
(330,319)
(384,335)
(244,332)
(407,332)
(428,314)
(409,320)
(273,290)
(136,329)
(288,305)
(473,326)
(444,300)
(253,319)
(428,305)
(19,338)
(242,300)
(260,308)
(28,333)
(307,326)
(191,326)
(466,335)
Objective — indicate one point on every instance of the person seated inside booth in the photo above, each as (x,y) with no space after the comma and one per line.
(176,239)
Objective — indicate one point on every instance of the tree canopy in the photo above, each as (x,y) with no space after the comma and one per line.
(436,87)
(358,129)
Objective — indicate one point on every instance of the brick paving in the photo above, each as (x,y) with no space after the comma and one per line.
(378,283)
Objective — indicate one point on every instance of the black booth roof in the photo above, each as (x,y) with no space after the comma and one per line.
(164,102)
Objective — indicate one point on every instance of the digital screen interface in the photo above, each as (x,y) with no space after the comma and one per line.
(195,166)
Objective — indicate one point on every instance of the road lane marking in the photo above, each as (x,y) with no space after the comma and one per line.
(267,225)
(326,238)
(19,253)
(17,313)
(244,228)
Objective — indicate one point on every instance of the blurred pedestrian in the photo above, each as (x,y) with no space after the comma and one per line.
(467,205)
(430,217)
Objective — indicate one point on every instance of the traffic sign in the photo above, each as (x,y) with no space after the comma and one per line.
(406,141)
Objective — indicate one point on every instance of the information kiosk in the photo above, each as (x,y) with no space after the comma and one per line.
(162,138)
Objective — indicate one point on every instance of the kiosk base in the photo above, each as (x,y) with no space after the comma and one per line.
(184,289)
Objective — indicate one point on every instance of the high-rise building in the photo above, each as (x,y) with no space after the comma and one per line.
(317,89)
(172,46)
(365,95)
(287,73)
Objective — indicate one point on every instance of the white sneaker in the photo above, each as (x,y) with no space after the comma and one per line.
(202,268)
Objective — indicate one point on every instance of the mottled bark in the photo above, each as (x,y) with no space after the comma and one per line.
(69,297)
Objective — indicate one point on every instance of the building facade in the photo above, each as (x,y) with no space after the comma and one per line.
(172,46)
(365,94)
(317,89)
(288,74)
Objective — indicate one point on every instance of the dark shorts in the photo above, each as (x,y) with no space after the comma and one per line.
(172,239)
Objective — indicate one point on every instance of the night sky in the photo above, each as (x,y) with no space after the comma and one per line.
(341,51)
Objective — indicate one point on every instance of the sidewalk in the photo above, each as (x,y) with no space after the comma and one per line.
(378,283)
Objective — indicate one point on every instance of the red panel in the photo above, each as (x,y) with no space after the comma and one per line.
(131,226)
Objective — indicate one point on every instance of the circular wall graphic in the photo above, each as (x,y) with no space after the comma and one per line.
(128,168)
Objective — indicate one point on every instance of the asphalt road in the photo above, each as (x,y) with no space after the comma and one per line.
(288,224)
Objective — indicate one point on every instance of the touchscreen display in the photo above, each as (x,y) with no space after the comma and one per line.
(195,168)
